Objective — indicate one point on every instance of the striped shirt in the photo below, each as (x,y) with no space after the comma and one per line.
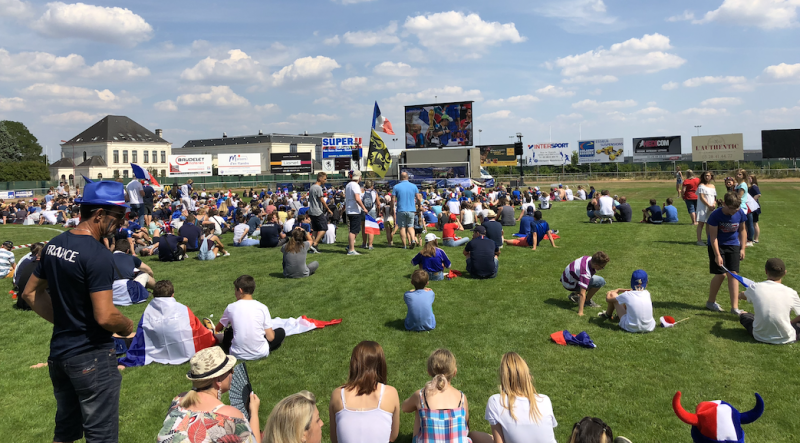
(578,274)
(6,261)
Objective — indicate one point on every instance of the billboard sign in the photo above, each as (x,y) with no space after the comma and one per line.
(780,143)
(723,147)
(24,194)
(239,164)
(604,150)
(294,163)
(189,165)
(498,155)
(5,195)
(439,125)
(436,172)
(340,147)
(657,149)
(548,154)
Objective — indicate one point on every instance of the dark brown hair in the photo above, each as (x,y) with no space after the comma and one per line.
(732,199)
(163,288)
(246,283)
(601,258)
(419,279)
(591,430)
(367,368)
(775,268)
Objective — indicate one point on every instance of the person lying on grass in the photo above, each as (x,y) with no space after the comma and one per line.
(633,306)
(539,229)
(579,278)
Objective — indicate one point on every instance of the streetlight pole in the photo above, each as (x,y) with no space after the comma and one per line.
(479,135)
(698,128)
(394,143)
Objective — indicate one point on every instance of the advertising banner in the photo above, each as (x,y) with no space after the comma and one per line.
(780,143)
(24,194)
(239,164)
(5,195)
(498,155)
(190,165)
(657,149)
(296,163)
(340,147)
(604,150)
(439,125)
(712,148)
(436,172)
(548,154)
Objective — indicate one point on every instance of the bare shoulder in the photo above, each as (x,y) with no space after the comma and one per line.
(230,411)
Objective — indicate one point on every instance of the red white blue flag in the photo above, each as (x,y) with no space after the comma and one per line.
(143,174)
(380,123)
(371,225)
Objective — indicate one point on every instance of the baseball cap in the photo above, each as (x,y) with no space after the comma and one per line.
(8,244)
(639,278)
(430,237)
(453,217)
(356,174)
(479,229)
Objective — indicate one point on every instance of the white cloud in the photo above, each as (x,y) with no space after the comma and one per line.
(711,80)
(517,99)
(15,9)
(572,116)
(439,95)
(782,73)
(237,67)
(221,96)
(166,105)
(444,31)
(784,111)
(318,67)
(353,83)
(652,110)
(595,106)
(765,14)
(312,119)
(497,115)
(71,117)
(670,86)
(44,66)
(590,79)
(386,35)
(579,13)
(399,69)
(332,41)
(77,96)
(555,91)
(721,101)
(633,56)
(11,103)
(687,15)
(705,111)
(268,108)
(107,25)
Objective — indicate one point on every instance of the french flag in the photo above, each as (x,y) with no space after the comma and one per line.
(380,123)
(143,174)
(371,225)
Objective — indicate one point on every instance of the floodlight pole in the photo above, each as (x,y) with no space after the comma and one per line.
(519,138)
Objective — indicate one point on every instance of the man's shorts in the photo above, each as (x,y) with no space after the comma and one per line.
(730,258)
(354,222)
(148,209)
(405,219)
(319,223)
(87,388)
(691,206)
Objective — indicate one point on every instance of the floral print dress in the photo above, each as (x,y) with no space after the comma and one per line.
(185,426)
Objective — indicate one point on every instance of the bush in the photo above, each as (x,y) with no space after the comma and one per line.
(23,171)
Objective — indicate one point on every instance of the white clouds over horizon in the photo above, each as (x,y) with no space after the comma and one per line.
(443,31)
(579,15)
(108,25)
(46,66)
(765,14)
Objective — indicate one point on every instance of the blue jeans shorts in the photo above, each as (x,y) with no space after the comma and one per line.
(405,219)
(691,206)
(435,276)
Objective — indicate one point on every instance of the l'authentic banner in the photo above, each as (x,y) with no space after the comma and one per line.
(712,148)
(548,154)
(657,149)
(189,165)
(498,155)
(239,164)
(379,159)
(605,150)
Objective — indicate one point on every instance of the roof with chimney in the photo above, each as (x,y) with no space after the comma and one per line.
(116,128)
(63,162)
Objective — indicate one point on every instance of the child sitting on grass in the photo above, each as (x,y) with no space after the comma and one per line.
(670,212)
(634,306)
(250,335)
(652,214)
(420,304)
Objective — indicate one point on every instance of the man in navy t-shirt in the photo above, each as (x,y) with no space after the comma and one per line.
(72,288)
(191,233)
(494,229)
(271,232)
(652,214)
(726,245)
(481,253)
(147,202)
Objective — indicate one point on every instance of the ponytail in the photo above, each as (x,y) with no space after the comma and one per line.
(192,398)
(442,367)
(438,383)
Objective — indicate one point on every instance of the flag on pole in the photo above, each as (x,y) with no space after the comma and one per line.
(378,158)
(380,123)
(143,174)
(744,281)
(371,225)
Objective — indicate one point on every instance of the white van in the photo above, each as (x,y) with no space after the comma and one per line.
(485,175)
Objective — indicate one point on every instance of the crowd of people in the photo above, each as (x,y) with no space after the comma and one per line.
(77,280)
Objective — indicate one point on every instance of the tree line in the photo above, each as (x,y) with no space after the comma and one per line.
(21,156)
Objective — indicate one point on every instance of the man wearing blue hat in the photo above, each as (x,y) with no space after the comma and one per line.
(73,288)
(634,306)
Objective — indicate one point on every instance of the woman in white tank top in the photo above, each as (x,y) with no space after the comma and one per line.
(365,409)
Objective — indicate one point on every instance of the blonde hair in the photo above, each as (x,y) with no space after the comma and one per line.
(442,367)
(192,398)
(516,381)
(290,418)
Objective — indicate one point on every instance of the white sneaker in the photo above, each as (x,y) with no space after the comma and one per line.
(750,244)
(227,254)
(714,307)
(353,252)
(313,250)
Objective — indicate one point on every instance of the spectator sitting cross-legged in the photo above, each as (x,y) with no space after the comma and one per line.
(670,212)
(449,232)
(294,255)
(272,234)
(482,255)
(772,301)
(210,245)
(240,233)
(652,214)
(494,230)
(432,259)
(419,304)
(192,233)
(623,212)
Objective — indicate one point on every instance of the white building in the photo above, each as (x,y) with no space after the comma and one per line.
(107,149)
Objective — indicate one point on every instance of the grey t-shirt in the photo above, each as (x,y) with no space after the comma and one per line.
(315,200)
(294,264)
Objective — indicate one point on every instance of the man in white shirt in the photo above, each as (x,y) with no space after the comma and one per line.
(544,200)
(606,209)
(7,263)
(581,193)
(634,306)
(136,199)
(568,194)
(772,302)
(186,196)
(353,207)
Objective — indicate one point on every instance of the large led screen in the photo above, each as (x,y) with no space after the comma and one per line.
(439,125)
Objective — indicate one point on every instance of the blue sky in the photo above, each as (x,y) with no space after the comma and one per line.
(570,68)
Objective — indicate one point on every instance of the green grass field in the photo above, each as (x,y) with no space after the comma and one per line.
(628,380)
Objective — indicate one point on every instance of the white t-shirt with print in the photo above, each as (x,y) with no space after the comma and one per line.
(350,191)
(523,429)
(133,189)
(639,311)
(772,302)
(249,319)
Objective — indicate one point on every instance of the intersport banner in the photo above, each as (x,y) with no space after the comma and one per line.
(239,164)
(722,147)
(189,165)
(548,154)
(657,149)
(602,150)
